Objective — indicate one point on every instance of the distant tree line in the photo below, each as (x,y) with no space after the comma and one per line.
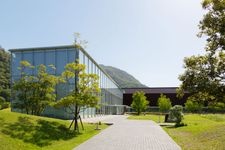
(4,78)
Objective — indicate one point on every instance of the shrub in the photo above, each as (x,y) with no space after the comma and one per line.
(5,93)
(176,112)
(3,103)
(2,100)
(217,107)
(192,106)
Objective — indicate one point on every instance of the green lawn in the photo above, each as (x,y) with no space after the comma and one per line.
(26,132)
(155,118)
(203,132)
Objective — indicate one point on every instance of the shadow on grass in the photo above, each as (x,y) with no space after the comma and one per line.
(42,133)
(175,126)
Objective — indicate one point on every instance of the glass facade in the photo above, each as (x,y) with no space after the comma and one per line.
(111,94)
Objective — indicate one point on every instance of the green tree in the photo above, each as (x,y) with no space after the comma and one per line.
(4,74)
(164,103)
(204,75)
(43,90)
(139,102)
(34,92)
(86,91)
(22,89)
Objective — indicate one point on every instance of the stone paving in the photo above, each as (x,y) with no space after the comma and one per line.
(127,134)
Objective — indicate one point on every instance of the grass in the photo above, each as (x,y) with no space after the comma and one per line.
(26,132)
(203,132)
(154,117)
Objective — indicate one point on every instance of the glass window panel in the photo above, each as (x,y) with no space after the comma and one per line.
(16,58)
(28,56)
(89,66)
(77,54)
(86,63)
(71,56)
(71,87)
(62,90)
(61,56)
(50,60)
(101,79)
(39,59)
(72,81)
(104,83)
(81,57)
(96,72)
(15,78)
(92,67)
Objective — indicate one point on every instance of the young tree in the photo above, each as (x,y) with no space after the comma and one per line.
(34,92)
(139,102)
(164,103)
(43,90)
(204,75)
(22,89)
(86,92)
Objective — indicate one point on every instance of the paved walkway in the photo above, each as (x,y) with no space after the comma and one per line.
(127,134)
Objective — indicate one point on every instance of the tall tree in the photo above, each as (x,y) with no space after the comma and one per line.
(86,92)
(139,102)
(4,74)
(204,75)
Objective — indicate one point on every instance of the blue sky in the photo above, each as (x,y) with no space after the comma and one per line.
(146,38)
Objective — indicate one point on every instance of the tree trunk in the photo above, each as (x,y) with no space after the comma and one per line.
(76,107)
(81,123)
(138,111)
(76,117)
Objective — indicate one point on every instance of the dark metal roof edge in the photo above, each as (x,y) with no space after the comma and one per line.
(41,48)
(152,88)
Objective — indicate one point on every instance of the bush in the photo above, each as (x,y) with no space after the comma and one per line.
(3,103)
(217,107)
(176,113)
(2,100)
(5,93)
(192,106)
